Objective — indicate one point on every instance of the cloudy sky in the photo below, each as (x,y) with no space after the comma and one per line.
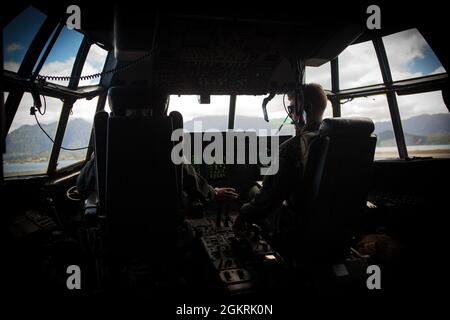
(17,38)
(408,53)
(409,56)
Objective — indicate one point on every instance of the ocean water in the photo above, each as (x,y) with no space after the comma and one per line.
(30,168)
(437,151)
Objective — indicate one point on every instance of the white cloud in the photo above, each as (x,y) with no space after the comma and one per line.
(358,66)
(58,68)
(189,107)
(11,66)
(97,56)
(320,75)
(249,106)
(83,108)
(12,47)
(439,70)
(94,64)
(374,107)
(23,116)
(402,49)
(422,103)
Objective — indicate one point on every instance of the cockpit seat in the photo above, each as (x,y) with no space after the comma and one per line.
(337,176)
(142,189)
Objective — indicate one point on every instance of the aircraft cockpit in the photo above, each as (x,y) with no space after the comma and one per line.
(134,142)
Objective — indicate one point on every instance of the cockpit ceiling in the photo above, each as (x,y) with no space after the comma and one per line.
(225,51)
(193,56)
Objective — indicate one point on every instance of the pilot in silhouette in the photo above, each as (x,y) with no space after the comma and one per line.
(278,197)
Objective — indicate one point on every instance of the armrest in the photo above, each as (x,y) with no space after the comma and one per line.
(91,206)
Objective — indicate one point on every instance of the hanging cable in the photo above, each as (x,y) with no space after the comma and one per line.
(282,124)
(99,74)
(43,78)
(288,115)
(33,110)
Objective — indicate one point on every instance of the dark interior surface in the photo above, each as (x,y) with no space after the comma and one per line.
(139,240)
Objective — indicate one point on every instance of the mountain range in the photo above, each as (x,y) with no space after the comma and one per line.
(29,143)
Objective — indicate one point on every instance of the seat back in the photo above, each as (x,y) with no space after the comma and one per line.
(100,134)
(142,189)
(336,184)
(177,123)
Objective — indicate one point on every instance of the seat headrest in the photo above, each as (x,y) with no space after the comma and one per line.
(123,99)
(346,127)
(177,119)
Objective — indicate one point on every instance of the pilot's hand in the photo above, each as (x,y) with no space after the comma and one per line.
(226,193)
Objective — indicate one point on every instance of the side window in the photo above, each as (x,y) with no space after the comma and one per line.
(78,132)
(27,147)
(426,124)
(320,75)
(61,59)
(203,116)
(328,113)
(377,109)
(410,56)
(94,63)
(18,35)
(358,66)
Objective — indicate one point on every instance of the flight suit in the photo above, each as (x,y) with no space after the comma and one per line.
(195,186)
(280,192)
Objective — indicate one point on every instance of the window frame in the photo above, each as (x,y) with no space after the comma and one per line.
(49,32)
(47,29)
(388,87)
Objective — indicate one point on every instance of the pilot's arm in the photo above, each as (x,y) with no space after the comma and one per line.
(276,188)
(198,188)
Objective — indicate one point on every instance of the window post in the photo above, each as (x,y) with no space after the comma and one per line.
(67,105)
(26,68)
(335,101)
(232,112)
(391,98)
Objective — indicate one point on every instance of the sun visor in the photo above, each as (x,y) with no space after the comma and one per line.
(333,46)
(130,24)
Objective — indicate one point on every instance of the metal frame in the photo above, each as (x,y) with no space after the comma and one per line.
(25,77)
(67,105)
(26,68)
(105,81)
(51,28)
(391,98)
(402,87)
(47,51)
(389,88)
(232,112)
(335,101)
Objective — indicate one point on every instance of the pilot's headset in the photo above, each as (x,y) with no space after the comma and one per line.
(302,105)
